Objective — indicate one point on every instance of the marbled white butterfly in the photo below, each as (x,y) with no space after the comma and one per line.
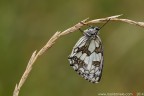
(86,57)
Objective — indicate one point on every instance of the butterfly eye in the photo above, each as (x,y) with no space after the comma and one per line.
(97,28)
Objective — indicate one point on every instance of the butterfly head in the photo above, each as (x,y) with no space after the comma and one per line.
(91,31)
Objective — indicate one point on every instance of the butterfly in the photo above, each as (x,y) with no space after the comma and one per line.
(86,57)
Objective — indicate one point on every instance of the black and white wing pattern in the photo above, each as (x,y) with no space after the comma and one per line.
(86,57)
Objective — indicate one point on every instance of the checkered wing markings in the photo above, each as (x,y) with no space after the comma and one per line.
(87,58)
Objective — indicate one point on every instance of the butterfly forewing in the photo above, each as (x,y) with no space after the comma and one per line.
(86,57)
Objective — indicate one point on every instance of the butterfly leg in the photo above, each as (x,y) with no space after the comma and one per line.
(81,30)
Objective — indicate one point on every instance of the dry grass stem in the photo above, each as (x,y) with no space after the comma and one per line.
(57,35)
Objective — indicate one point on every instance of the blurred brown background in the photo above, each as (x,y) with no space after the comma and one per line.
(26,25)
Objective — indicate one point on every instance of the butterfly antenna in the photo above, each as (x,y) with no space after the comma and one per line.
(104,24)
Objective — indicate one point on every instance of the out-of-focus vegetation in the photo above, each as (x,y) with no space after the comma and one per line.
(26,25)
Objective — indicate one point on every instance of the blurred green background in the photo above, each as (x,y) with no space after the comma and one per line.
(26,25)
